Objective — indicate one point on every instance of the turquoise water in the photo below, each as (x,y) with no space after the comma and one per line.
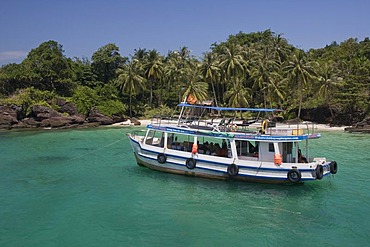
(83,188)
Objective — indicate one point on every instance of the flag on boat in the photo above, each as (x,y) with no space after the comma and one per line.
(191,99)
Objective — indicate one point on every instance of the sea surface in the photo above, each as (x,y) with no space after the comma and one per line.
(83,188)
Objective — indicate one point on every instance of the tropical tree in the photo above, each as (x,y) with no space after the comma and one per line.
(299,72)
(281,48)
(48,69)
(264,70)
(153,70)
(195,85)
(140,55)
(105,61)
(211,71)
(84,73)
(179,67)
(238,95)
(232,62)
(329,82)
(130,81)
(11,78)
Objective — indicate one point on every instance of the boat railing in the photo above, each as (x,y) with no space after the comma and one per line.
(235,125)
(219,125)
(137,134)
(159,119)
(306,127)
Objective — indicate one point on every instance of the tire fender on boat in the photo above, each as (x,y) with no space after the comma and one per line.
(294,175)
(265,124)
(161,158)
(333,167)
(232,170)
(319,172)
(191,163)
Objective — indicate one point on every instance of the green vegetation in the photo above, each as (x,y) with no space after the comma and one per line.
(29,97)
(249,70)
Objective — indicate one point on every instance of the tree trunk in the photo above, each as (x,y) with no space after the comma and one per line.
(130,105)
(214,93)
(151,94)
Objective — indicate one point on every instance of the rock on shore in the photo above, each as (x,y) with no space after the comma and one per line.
(67,116)
(363,126)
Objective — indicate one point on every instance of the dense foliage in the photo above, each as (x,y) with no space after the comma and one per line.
(250,70)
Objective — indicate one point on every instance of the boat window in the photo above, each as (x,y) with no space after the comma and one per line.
(180,142)
(287,152)
(155,138)
(247,148)
(206,145)
(213,146)
(271,147)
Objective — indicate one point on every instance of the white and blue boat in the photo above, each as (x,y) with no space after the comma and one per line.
(256,151)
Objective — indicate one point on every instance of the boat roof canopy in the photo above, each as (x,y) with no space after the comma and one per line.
(228,108)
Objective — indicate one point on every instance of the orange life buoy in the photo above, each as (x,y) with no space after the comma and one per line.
(194,150)
(277,159)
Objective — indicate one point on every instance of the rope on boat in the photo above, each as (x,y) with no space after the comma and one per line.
(94,151)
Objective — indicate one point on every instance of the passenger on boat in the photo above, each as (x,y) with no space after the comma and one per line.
(211,149)
(204,148)
(217,149)
(301,158)
(222,151)
(224,145)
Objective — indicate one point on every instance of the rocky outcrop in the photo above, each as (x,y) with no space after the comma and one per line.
(96,116)
(45,117)
(363,126)
(9,115)
(135,121)
(332,116)
(67,116)
(40,113)
(66,107)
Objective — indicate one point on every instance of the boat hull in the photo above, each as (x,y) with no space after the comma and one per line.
(206,168)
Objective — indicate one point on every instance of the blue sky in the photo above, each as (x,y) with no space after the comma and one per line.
(82,27)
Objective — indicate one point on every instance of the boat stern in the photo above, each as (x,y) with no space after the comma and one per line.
(324,168)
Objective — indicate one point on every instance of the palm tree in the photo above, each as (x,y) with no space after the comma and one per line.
(140,55)
(211,71)
(299,72)
(184,56)
(238,96)
(153,70)
(232,62)
(194,85)
(329,81)
(130,81)
(264,71)
(280,46)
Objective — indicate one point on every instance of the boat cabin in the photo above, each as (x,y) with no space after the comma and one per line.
(236,146)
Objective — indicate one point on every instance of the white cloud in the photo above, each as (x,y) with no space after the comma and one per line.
(12,55)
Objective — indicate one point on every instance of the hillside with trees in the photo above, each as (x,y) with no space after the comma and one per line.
(328,85)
